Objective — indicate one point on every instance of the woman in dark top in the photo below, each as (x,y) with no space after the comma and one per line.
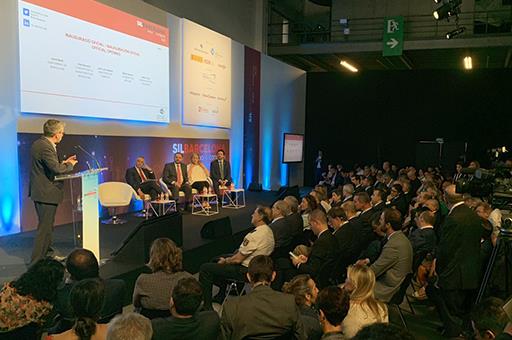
(305,291)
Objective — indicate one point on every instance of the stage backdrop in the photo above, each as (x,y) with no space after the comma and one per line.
(116,153)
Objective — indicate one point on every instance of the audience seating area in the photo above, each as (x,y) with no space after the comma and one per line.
(356,257)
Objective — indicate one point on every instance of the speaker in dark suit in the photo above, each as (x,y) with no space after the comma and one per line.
(220,172)
(43,189)
(140,177)
(176,177)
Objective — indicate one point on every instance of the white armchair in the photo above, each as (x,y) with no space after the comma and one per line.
(114,195)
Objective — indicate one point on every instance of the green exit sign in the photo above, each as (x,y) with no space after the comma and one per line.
(393,37)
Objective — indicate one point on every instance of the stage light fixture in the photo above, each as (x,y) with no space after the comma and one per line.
(437,1)
(448,9)
(348,66)
(468,63)
(455,32)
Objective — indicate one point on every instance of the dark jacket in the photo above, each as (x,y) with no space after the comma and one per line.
(170,175)
(45,166)
(133,178)
(264,314)
(324,250)
(215,171)
(458,254)
(204,325)
(283,234)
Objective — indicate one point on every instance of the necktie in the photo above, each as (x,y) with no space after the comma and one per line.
(221,167)
(179,180)
(142,175)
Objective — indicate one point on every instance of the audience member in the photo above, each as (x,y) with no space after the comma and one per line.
(305,291)
(363,204)
(153,291)
(260,241)
(458,264)
(378,200)
(383,331)
(262,313)
(176,177)
(324,250)
(336,198)
(81,264)
(423,239)
(333,305)
(198,175)
(86,300)
(186,322)
(489,320)
(372,252)
(347,235)
(294,218)
(364,308)
(281,229)
(348,192)
(130,326)
(220,171)
(26,303)
(395,260)
(307,205)
(397,200)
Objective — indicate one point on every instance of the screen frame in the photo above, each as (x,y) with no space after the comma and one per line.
(284,139)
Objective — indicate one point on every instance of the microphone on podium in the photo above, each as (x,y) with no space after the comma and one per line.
(79,147)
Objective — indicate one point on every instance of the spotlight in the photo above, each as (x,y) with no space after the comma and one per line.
(348,66)
(468,63)
(455,32)
(437,1)
(448,9)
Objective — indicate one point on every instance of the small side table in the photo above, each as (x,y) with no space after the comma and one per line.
(235,202)
(205,205)
(162,207)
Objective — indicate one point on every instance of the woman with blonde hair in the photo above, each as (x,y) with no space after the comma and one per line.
(152,292)
(365,309)
(198,175)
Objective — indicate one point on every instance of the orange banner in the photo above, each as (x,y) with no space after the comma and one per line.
(108,17)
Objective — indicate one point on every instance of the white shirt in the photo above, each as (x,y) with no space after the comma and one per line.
(260,241)
(455,206)
(53,144)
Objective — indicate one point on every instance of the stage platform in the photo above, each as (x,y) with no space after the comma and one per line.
(15,250)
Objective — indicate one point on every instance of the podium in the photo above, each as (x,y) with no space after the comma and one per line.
(89,207)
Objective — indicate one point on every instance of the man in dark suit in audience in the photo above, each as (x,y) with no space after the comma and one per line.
(263,313)
(294,218)
(176,177)
(363,204)
(458,264)
(185,322)
(423,239)
(43,189)
(220,172)
(142,179)
(324,251)
(347,235)
(282,229)
(378,200)
(395,260)
(81,264)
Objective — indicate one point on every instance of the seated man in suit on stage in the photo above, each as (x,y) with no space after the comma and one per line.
(81,264)
(395,260)
(176,177)
(220,172)
(142,179)
(263,313)
(185,321)
(260,241)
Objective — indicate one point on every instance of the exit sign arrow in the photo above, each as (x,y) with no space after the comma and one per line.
(392,43)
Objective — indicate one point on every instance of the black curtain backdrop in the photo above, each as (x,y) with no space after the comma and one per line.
(376,116)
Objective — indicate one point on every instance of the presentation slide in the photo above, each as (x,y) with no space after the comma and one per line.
(83,58)
(293,148)
(206,77)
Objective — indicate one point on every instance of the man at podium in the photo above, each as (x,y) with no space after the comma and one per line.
(43,189)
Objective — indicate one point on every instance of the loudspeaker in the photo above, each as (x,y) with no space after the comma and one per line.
(217,228)
(288,191)
(254,186)
(135,247)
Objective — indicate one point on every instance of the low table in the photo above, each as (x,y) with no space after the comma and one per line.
(205,205)
(162,207)
(235,202)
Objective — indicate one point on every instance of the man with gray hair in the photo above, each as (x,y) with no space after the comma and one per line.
(294,217)
(43,189)
(282,230)
(130,326)
(348,192)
